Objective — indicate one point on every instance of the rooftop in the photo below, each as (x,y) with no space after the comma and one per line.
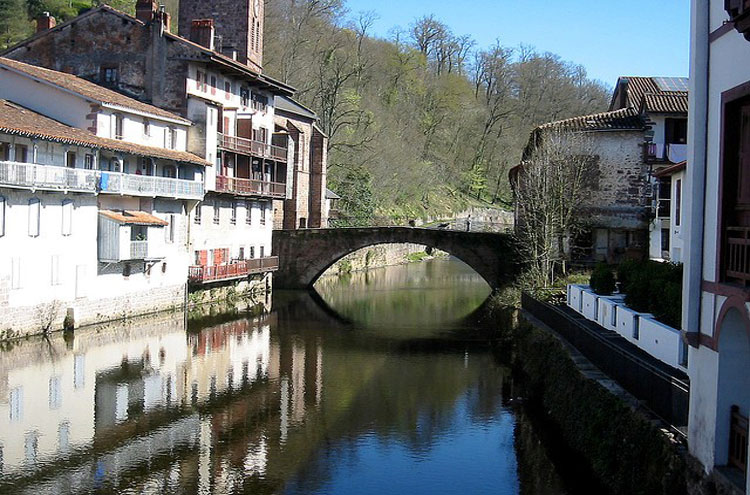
(289,105)
(20,121)
(133,217)
(87,89)
(654,94)
(618,120)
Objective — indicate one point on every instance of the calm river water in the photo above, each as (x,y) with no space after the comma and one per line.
(371,389)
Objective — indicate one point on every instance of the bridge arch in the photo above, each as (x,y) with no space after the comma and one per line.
(305,254)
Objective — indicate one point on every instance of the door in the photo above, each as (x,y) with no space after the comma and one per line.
(245,128)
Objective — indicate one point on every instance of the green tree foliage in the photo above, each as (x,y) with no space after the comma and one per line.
(356,205)
(14,23)
(433,119)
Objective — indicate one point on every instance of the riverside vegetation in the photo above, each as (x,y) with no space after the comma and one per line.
(423,123)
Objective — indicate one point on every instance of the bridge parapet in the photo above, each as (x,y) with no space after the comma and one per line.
(306,253)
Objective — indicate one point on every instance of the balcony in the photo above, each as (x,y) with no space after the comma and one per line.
(47,177)
(250,187)
(152,186)
(666,153)
(252,147)
(138,250)
(739,14)
(232,271)
(737,255)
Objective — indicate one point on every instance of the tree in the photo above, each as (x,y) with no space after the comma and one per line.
(14,22)
(551,187)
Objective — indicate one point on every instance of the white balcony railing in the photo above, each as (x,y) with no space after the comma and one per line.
(138,250)
(146,185)
(56,178)
(47,177)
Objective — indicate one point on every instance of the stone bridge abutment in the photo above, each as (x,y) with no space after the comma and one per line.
(305,254)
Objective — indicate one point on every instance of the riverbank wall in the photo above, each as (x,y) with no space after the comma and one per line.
(628,449)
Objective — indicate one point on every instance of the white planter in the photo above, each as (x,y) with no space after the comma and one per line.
(574,296)
(628,323)
(607,314)
(590,304)
(661,341)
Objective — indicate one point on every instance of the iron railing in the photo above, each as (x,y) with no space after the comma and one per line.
(238,269)
(252,147)
(47,177)
(250,186)
(737,256)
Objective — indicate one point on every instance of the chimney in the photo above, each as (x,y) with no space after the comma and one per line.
(166,19)
(202,32)
(45,22)
(145,10)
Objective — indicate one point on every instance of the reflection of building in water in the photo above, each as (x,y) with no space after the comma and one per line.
(119,398)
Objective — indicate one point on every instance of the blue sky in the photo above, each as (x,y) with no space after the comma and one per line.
(609,38)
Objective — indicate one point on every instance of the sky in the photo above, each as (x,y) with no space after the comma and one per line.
(609,38)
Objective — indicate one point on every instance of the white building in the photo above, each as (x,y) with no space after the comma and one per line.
(95,202)
(717,239)
(667,228)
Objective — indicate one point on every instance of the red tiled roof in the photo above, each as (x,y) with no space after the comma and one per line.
(87,89)
(618,120)
(132,217)
(670,102)
(20,121)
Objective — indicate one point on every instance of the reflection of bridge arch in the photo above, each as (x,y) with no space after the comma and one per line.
(305,254)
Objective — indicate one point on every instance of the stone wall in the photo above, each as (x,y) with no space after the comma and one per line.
(375,257)
(256,286)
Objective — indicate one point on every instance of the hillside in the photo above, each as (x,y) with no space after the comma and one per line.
(423,123)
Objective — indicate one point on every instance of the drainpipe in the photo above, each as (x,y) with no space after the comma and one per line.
(696,171)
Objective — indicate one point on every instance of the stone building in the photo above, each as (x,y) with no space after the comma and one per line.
(307,205)
(95,191)
(212,76)
(643,131)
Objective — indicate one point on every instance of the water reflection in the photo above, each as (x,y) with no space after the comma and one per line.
(294,401)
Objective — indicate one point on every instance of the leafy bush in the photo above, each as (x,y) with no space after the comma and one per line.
(603,280)
(653,287)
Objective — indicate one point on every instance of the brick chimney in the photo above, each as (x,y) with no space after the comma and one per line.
(145,10)
(202,32)
(45,22)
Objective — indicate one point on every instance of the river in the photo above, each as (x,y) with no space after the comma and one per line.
(375,386)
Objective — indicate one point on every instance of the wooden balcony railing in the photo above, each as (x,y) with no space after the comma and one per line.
(252,147)
(738,440)
(47,177)
(737,254)
(231,271)
(250,187)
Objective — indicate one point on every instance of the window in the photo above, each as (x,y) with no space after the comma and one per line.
(70,159)
(146,128)
(198,213)
(227,90)
(245,96)
(169,171)
(260,102)
(252,252)
(4,152)
(34,212)
(109,75)
(677,202)
(118,126)
(262,251)
(88,161)
(15,273)
(233,219)
(63,437)
(16,404)
(665,241)
(242,253)
(263,213)
(217,212)
(2,216)
(213,85)
(54,269)
(675,131)
(79,368)
(31,446)
(249,212)
(199,81)
(67,217)
(169,231)
(22,153)
(173,138)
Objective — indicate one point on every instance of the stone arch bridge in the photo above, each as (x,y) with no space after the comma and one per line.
(305,254)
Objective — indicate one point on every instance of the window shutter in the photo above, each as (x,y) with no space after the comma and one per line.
(55,270)
(67,217)
(2,216)
(15,273)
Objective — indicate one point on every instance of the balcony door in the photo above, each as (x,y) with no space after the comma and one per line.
(245,128)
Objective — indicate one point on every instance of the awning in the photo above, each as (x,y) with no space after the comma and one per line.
(132,217)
